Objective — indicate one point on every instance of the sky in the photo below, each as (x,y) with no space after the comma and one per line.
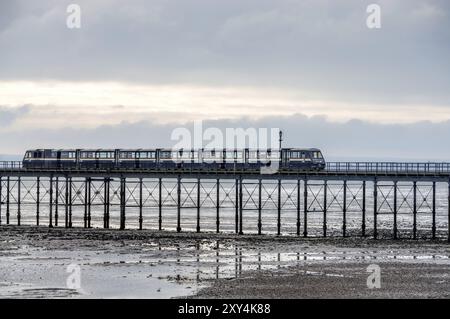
(135,71)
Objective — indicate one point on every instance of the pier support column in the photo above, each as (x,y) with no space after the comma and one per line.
(160,203)
(38,199)
(259,207)
(218,206)
(198,204)
(305,209)
(89,200)
(241,228)
(298,207)
(106,203)
(236,186)
(433,227)
(122,202)
(325,191)
(344,211)
(70,202)
(140,203)
(85,217)
(8,196)
(56,201)
(66,204)
(279,209)
(448,213)
(363,224)
(178,204)
(395,210)
(19,204)
(50,202)
(415,210)
(375,208)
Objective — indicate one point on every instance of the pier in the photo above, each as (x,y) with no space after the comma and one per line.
(367,199)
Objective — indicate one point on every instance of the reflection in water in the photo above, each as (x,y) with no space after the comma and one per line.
(206,260)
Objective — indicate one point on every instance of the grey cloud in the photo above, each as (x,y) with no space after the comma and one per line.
(9,10)
(353,140)
(319,46)
(9,115)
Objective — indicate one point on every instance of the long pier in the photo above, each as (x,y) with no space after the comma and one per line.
(379,200)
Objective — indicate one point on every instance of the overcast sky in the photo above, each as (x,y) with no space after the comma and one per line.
(138,69)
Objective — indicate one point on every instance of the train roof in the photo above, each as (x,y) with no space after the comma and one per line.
(165,149)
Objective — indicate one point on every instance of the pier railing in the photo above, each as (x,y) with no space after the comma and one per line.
(10,165)
(331,167)
(388,167)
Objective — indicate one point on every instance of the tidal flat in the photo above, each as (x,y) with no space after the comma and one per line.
(41,262)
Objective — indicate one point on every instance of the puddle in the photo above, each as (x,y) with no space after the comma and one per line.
(165,270)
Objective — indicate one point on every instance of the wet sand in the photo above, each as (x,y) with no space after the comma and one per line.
(398,280)
(35,263)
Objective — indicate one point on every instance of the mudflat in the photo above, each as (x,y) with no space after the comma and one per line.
(37,262)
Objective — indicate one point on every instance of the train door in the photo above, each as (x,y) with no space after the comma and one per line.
(77,158)
(58,160)
(137,163)
(96,160)
(157,157)
(246,157)
(116,158)
(284,157)
(48,159)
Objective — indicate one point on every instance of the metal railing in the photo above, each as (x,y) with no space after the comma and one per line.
(332,167)
(10,165)
(388,167)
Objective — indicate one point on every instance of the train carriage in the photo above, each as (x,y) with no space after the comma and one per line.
(205,159)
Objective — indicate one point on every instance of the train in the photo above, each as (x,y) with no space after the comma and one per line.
(226,159)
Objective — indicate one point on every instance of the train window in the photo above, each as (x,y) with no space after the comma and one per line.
(165,154)
(253,154)
(186,155)
(104,155)
(142,155)
(317,155)
(127,155)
